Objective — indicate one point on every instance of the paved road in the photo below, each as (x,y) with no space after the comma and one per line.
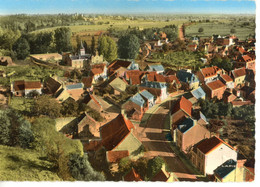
(152,136)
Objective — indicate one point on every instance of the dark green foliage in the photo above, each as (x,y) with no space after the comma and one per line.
(22,48)
(141,166)
(224,63)
(69,107)
(200,30)
(165,47)
(45,105)
(81,169)
(33,94)
(62,39)
(93,45)
(14,129)
(128,46)
(154,165)
(233,31)
(107,47)
(125,164)
(40,43)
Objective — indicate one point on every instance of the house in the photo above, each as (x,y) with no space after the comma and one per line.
(227,80)
(118,85)
(75,90)
(188,79)
(157,89)
(135,107)
(158,68)
(202,120)
(215,89)
(23,88)
(198,93)
(188,133)
(229,171)
(132,176)
(180,110)
(52,85)
(113,68)
(93,102)
(134,77)
(246,61)
(49,57)
(117,135)
(239,76)
(173,82)
(62,95)
(148,97)
(210,153)
(86,127)
(228,96)
(209,74)
(98,72)
(163,176)
(5,61)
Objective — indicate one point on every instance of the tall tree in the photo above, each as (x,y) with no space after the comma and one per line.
(93,45)
(62,37)
(107,47)
(22,48)
(128,46)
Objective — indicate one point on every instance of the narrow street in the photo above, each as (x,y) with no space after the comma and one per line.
(153,138)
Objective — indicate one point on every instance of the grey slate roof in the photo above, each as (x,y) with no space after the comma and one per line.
(158,85)
(157,67)
(186,125)
(146,94)
(75,86)
(198,93)
(137,99)
(185,76)
(224,169)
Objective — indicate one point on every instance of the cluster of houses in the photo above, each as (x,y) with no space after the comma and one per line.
(210,154)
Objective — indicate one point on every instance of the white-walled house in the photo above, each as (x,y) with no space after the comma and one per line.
(23,88)
(211,153)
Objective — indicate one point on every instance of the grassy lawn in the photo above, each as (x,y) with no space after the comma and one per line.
(220,28)
(18,164)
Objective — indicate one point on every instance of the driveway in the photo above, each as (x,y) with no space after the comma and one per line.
(152,135)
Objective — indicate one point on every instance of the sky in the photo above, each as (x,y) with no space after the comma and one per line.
(127,6)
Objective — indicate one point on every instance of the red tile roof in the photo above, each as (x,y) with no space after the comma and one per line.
(215,85)
(114,132)
(171,78)
(117,64)
(116,156)
(132,176)
(134,76)
(97,69)
(239,72)
(23,85)
(92,145)
(227,78)
(208,145)
(161,176)
(210,71)
(183,104)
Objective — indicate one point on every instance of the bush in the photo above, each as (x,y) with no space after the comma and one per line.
(154,165)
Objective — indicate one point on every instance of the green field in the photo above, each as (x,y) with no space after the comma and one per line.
(18,164)
(242,32)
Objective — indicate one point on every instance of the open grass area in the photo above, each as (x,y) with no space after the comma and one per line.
(18,164)
(242,32)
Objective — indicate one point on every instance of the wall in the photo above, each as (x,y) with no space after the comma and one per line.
(217,157)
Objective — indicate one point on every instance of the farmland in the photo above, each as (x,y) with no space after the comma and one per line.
(221,28)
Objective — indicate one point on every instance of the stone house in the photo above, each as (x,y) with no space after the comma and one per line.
(210,153)
(157,89)
(188,79)
(215,89)
(227,80)
(239,76)
(209,74)
(23,88)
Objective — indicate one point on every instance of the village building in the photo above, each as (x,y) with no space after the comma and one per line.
(113,157)
(88,83)
(52,85)
(119,67)
(97,59)
(188,133)
(118,85)
(210,153)
(93,102)
(158,68)
(239,76)
(98,72)
(23,88)
(215,89)
(86,127)
(227,80)
(157,89)
(49,57)
(75,90)
(209,74)
(188,79)
(62,95)
(245,61)
(117,135)
(163,176)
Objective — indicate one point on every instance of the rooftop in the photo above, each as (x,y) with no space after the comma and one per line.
(116,156)
(224,169)
(75,86)
(215,85)
(132,176)
(210,71)
(185,125)
(198,93)
(146,94)
(183,104)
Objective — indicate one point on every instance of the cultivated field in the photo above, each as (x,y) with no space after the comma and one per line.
(210,28)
